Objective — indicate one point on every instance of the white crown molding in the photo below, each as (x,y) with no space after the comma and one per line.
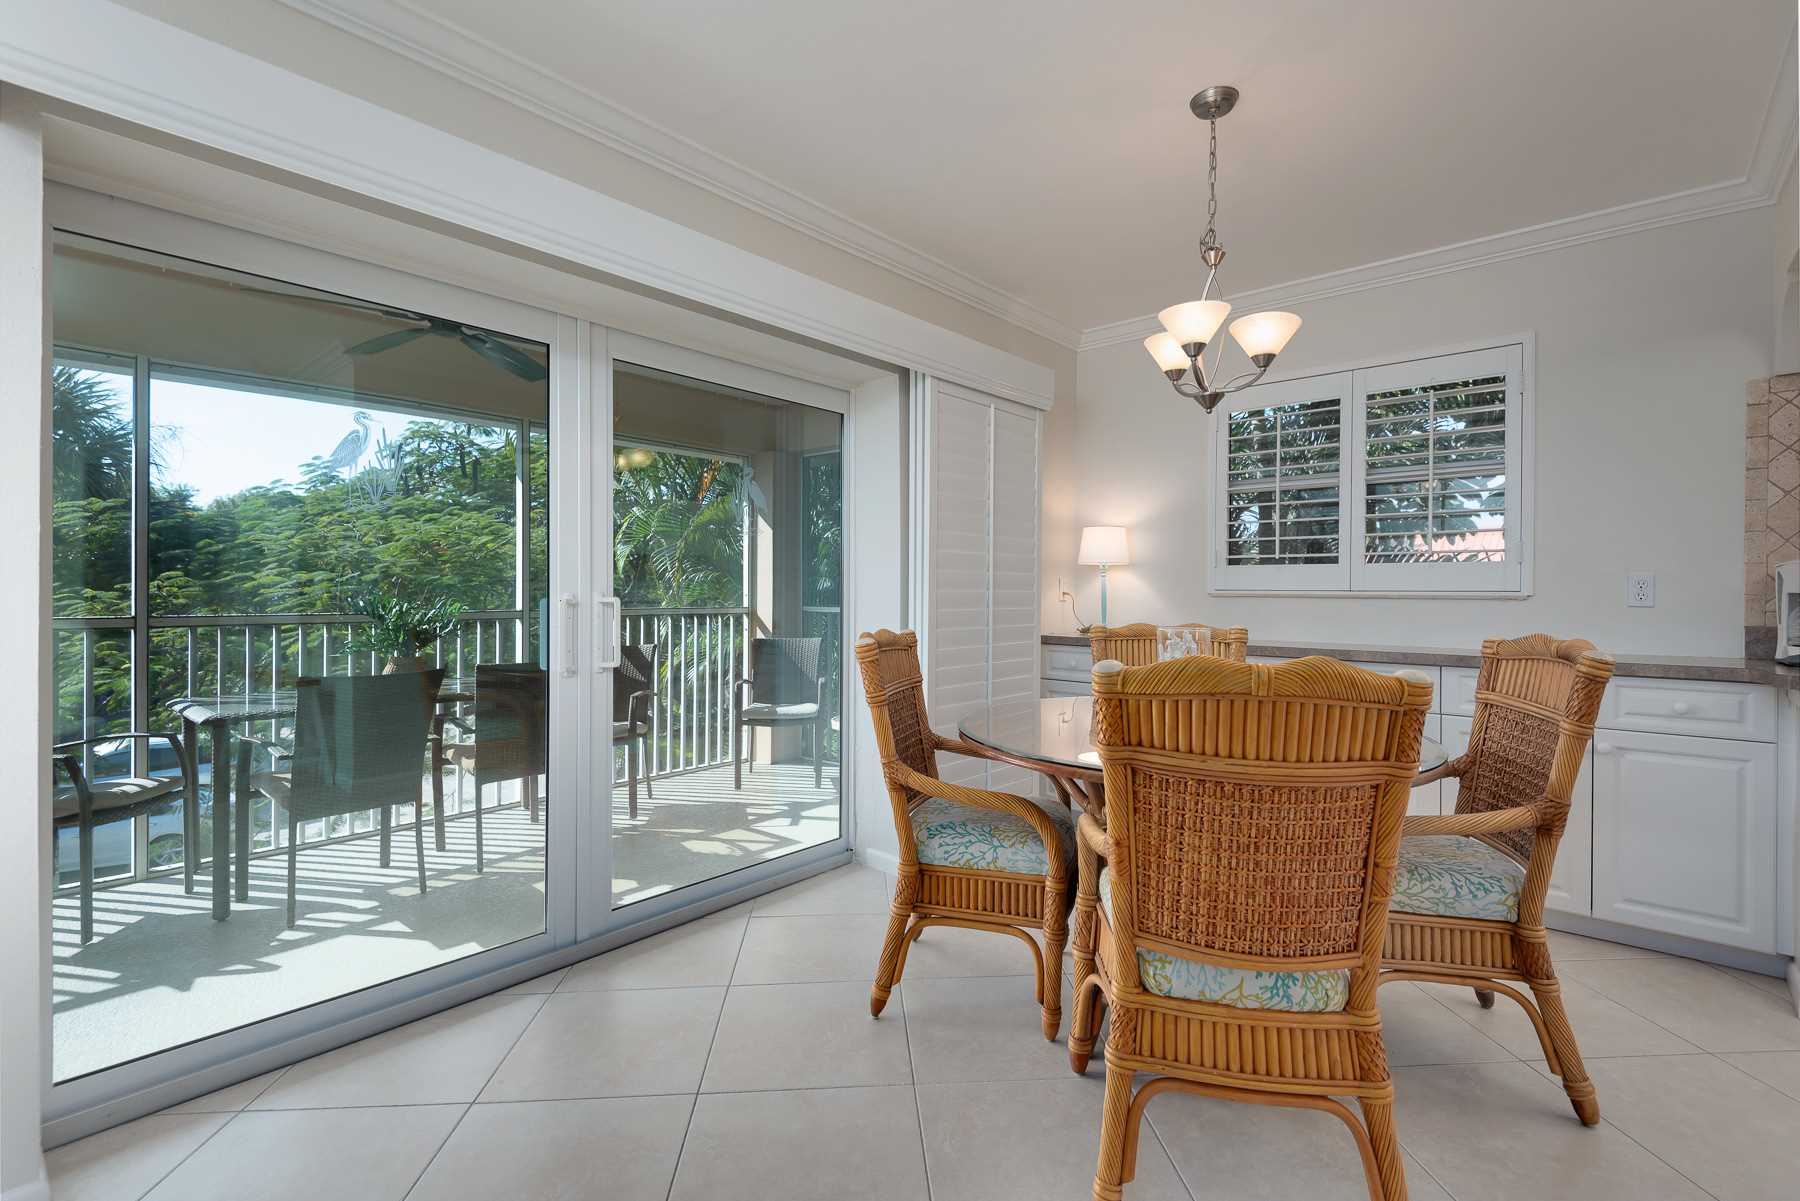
(1771,161)
(404,28)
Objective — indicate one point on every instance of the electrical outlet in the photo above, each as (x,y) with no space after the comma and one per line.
(1640,590)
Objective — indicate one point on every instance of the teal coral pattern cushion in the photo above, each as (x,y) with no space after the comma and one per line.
(953,835)
(1449,875)
(1193,980)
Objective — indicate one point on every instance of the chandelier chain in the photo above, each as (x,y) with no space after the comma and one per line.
(1211,237)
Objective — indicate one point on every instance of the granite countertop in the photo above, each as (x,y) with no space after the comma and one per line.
(1662,667)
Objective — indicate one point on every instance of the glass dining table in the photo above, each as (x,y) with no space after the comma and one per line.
(1054,736)
(217,715)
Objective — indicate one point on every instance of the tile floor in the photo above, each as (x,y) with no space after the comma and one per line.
(734,1058)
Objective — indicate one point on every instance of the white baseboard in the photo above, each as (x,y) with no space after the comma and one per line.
(31,1190)
(885,862)
(1793,983)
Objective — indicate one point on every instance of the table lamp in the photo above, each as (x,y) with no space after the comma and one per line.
(1103,546)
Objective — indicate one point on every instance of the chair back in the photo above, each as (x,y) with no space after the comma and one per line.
(1134,645)
(784,671)
(359,741)
(634,676)
(1254,811)
(889,665)
(1536,700)
(511,731)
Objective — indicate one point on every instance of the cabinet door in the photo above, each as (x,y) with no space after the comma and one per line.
(1684,836)
(1425,799)
(1571,882)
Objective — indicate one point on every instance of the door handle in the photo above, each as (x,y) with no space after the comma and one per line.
(606,633)
(571,634)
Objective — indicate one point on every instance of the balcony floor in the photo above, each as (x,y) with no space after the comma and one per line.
(161,972)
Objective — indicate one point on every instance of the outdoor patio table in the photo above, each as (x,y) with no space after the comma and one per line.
(218,714)
(1055,737)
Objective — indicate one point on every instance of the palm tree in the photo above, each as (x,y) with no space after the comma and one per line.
(678,535)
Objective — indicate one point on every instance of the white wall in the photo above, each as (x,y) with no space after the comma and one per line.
(1644,345)
(878,515)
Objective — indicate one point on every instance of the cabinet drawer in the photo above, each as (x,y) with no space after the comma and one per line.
(1068,688)
(1459,690)
(1068,663)
(1707,710)
(1684,836)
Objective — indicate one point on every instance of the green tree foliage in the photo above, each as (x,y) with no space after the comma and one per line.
(678,532)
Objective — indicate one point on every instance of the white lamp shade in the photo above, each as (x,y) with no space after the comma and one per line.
(1195,321)
(1264,333)
(1167,352)
(1103,546)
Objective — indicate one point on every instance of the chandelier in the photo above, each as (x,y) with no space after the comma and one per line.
(1181,349)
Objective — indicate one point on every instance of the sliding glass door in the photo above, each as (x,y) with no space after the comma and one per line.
(728,559)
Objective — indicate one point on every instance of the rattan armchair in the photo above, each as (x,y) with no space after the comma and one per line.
(968,857)
(1253,820)
(1135,645)
(1468,903)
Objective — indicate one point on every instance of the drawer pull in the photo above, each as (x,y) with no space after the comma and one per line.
(1603,748)
(1680,707)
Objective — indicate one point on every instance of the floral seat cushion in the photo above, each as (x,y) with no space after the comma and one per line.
(953,835)
(1194,980)
(1449,875)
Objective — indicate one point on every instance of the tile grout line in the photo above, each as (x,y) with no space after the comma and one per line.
(1180,1176)
(1690,1042)
(157,1183)
(912,1073)
(711,1043)
(449,1134)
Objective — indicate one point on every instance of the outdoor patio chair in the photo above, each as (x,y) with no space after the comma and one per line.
(969,857)
(510,736)
(1134,645)
(634,698)
(1252,823)
(85,804)
(1468,903)
(359,744)
(785,687)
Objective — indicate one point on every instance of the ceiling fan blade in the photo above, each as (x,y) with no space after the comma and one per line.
(499,353)
(381,342)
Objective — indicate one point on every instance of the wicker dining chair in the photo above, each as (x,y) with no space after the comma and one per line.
(1134,645)
(968,857)
(359,744)
(1468,904)
(1253,820)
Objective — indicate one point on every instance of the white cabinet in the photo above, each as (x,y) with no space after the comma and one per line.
(1684,836)
(1424,800)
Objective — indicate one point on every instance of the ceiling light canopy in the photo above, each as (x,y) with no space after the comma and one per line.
(1180,351)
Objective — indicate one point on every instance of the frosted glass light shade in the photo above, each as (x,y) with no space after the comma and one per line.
(1103,546)
(1195,321)
(1167,352)
(1264,333)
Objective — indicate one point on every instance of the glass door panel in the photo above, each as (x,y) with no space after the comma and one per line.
(301,562)
(727,512)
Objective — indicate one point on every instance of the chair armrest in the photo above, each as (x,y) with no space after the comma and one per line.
(1092,835)
(60,752)
(637,707)
(980,798)
(1495,821)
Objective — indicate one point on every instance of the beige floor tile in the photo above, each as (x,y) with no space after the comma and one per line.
(1502,1131)
(698,954)
(623,1043)
(952,951)
(981,1028)
(1779,1069)
(1603,1027)
(440,1059)
(1262,1153)
(1770,984)
(1692,1001)
(805,949)
(810,1145)
(799,1036)
(537,984)
(229,1099)
(621,1148)
(1417,1030)
(306,1154)
(853,888)
(1026,1141)
(126,1161)
(1733,1136)
(1576,946)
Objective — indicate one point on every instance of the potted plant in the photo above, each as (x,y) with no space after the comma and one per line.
(400,628)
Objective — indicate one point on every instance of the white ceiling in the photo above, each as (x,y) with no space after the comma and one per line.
(1044,147)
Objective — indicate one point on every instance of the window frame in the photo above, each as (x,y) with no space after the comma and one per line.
(1352,576)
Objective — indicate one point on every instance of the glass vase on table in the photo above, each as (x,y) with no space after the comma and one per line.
(1178,642)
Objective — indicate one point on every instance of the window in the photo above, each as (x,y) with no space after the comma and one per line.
(1429,498)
